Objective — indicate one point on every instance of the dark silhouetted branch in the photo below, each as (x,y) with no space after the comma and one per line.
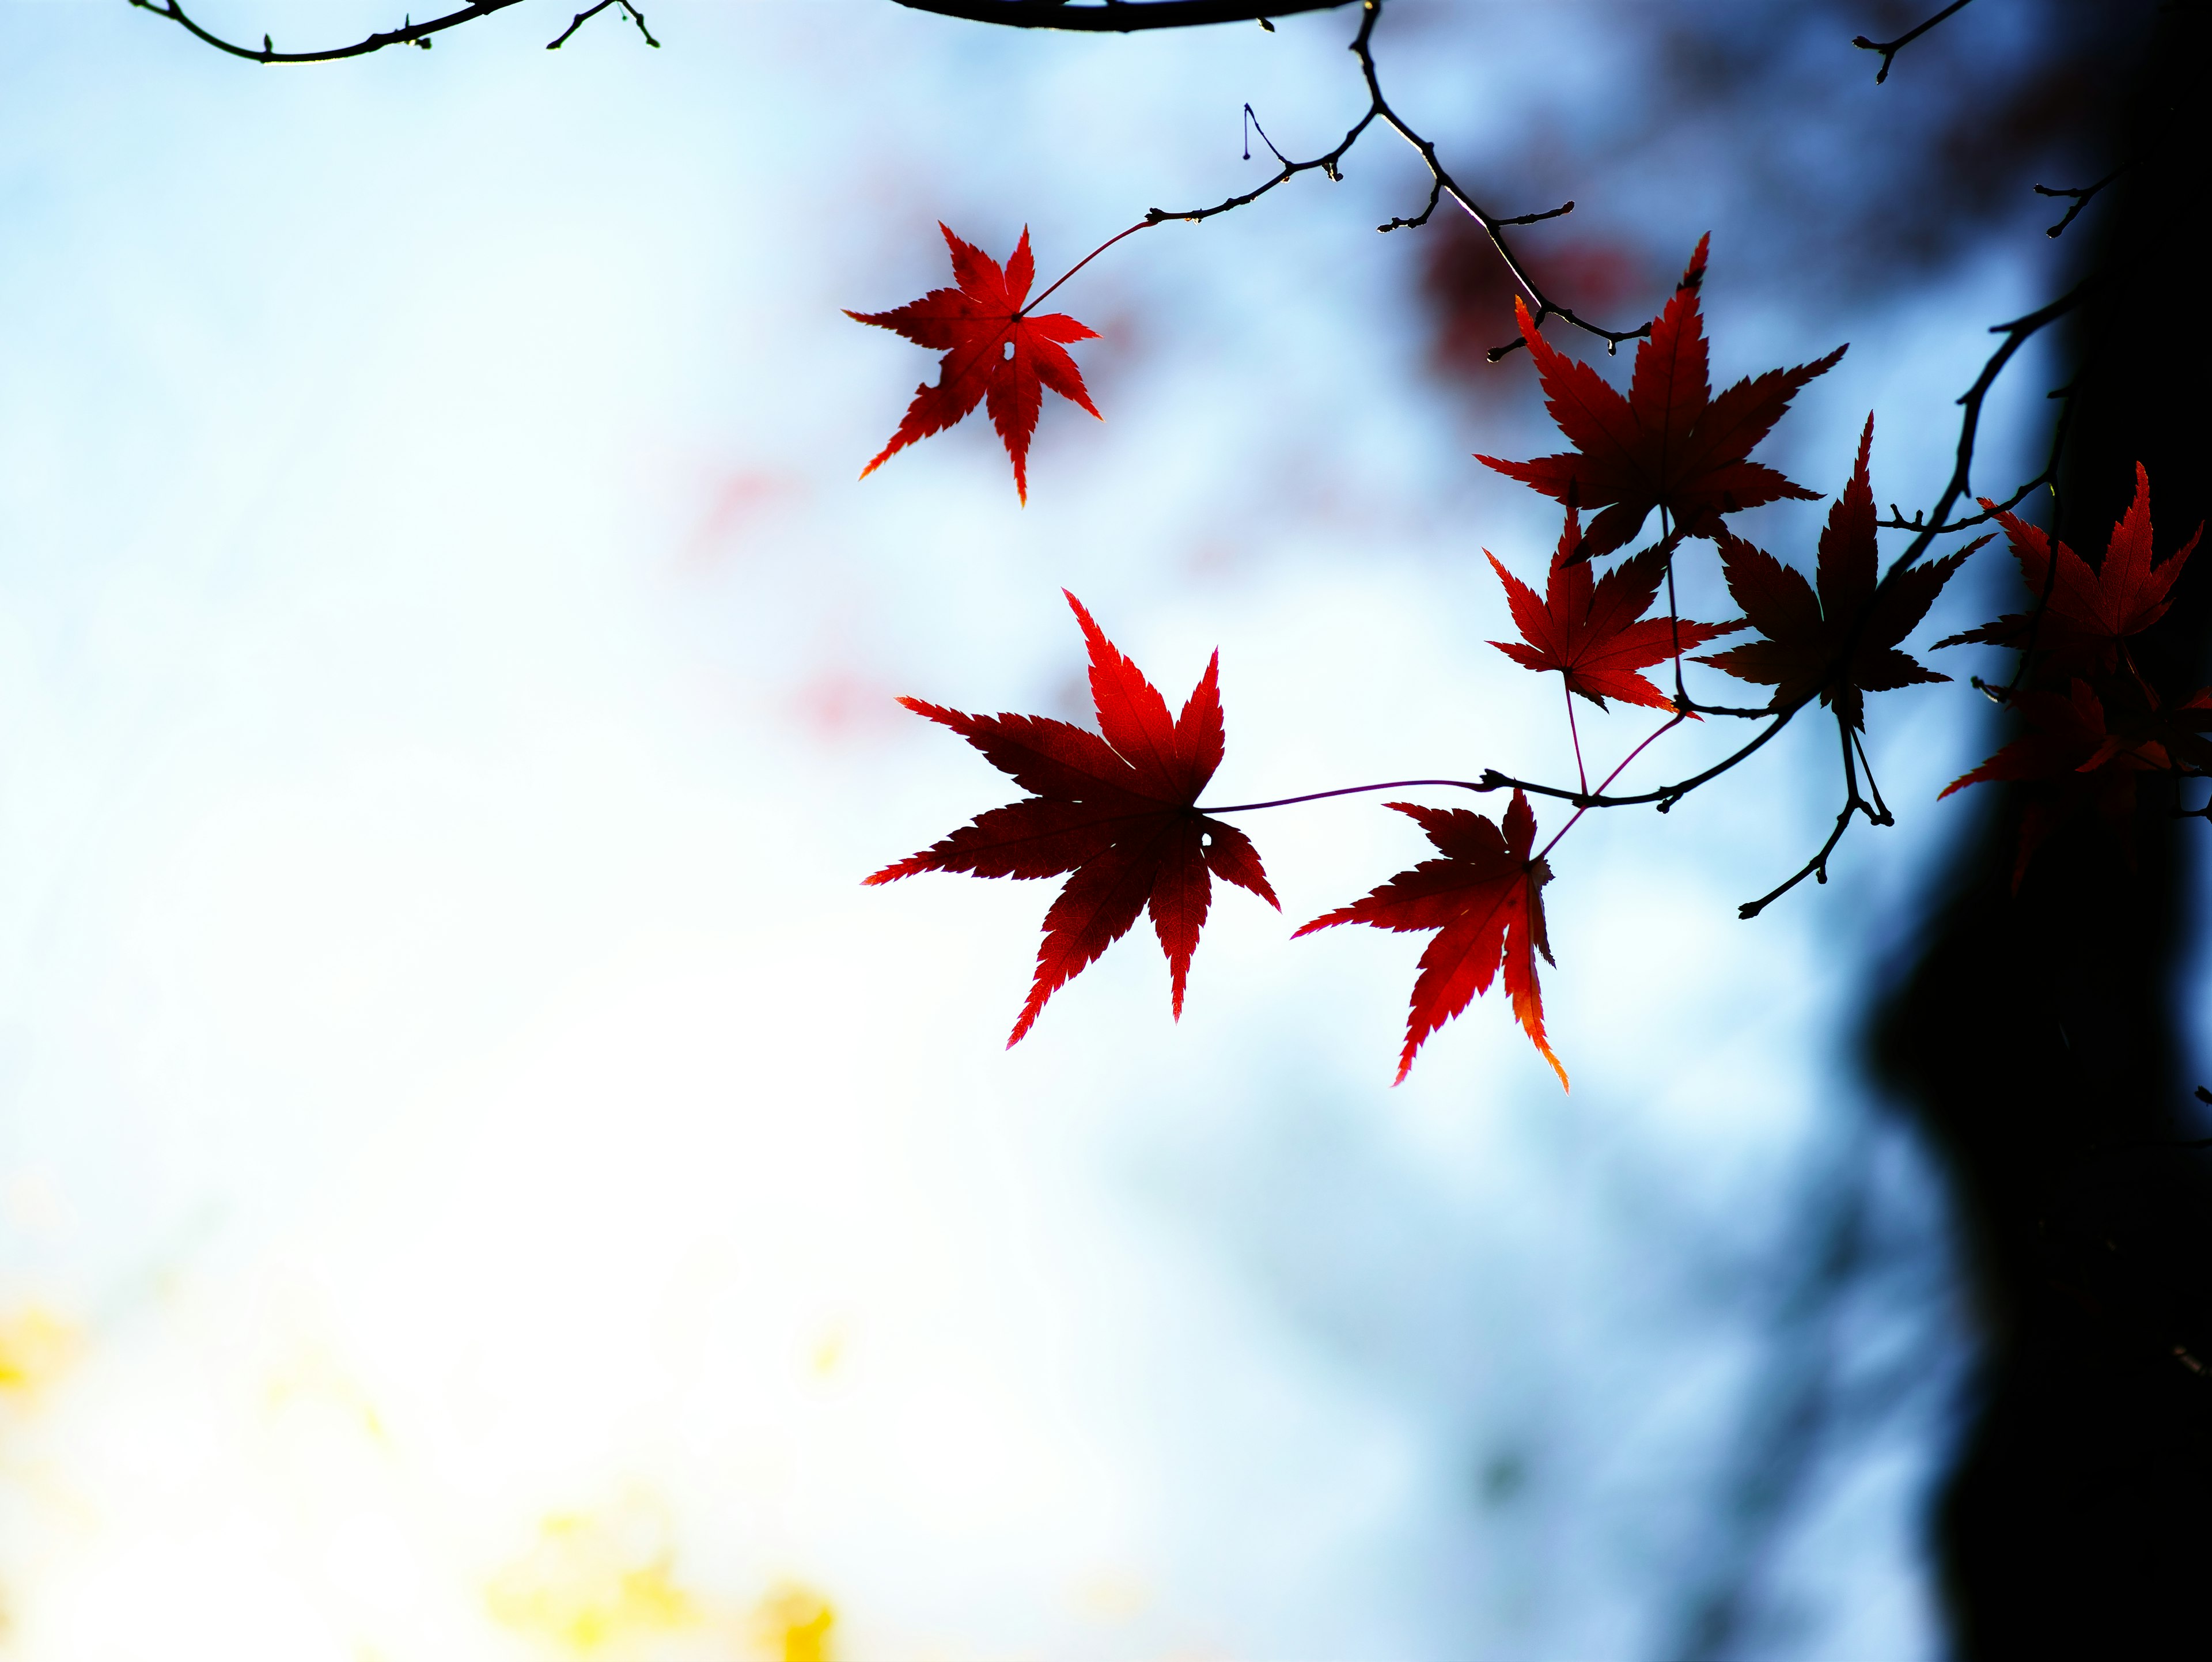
(584,17)
(2082,197)
(409,34)
(1117,17)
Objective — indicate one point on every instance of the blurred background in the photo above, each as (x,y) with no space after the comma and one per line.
(478,1176)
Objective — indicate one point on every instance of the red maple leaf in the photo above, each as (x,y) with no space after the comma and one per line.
(1484,898)
(2090,613)
(1589,630)
(1669,443)
(2077,760)
(1116,810)
(1843,644)
(993,353)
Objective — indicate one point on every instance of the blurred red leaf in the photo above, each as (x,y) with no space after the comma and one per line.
(2090,613)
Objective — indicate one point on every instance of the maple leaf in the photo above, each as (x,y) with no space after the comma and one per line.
(993,353)
(1589,630)
(2073,754)
(1669,443)
(1843,644)
(1484,898)
(2090,613)
(1116,810)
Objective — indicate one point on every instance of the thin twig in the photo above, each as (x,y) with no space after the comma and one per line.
(1889,49)
(1581,774)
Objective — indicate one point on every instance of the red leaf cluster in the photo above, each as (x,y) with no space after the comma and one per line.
(1112,808)
(2094,723)
(2088,614)
(995,354)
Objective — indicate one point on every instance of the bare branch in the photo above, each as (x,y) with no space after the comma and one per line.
(1889,49)
(409,34)
(1118,17)
(2017,333)
(2082,197)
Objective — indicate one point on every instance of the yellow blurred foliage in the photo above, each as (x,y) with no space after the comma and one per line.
(592,1580)
(36,1347)
(793,1623)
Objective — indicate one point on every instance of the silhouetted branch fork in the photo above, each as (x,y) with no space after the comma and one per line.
(1817,866)
(2082,197)
(584,17)
(1889,49)
(2017,333)
(1117,17)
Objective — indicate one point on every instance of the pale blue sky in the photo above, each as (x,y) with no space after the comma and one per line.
(453,1081)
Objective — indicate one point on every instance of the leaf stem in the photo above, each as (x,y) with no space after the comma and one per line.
(1141,225)
(1583,807)
(1348,790)
(1581,773)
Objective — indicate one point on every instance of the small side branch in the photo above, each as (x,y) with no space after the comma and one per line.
(1889,49)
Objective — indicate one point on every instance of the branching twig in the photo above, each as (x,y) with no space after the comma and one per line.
(2082,196)
(584,17)
(1889,49)
(1931,524)
(1817,866)
(1441,185)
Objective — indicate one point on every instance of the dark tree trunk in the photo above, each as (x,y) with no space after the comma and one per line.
(2036,1043)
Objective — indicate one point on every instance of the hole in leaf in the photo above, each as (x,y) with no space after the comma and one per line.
(1008,352)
